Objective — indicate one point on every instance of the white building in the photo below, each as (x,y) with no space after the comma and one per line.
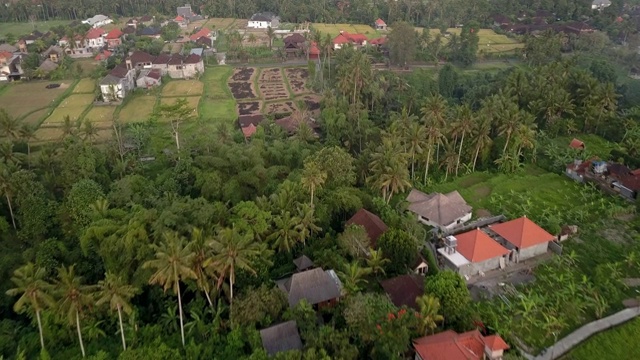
(117,83)
(600,4)
(98,21)
(443,211)
(264,20)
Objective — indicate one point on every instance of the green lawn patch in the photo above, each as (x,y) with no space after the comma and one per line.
(614,344)
(594,144)
(23,98)
(182,88)
(334,29)
(73,106)
(138,109)
(192,102)
(85,86)
(219,110)
(215,82)
(23,28)
(100,114)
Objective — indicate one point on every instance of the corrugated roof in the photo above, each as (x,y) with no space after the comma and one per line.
(522,232)
(371,223)
(477,246)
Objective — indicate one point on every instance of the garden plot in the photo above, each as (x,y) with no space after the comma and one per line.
(297,78)
(271,85)
(249,108)
(21,99)
(138,109)
(181,88)
(311,102)
(73,107)
(284,107)
(241,83)
(242,74)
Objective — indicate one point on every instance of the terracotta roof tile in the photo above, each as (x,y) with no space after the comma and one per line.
(94,33)
(576,144)
(380,22)
(522,232)
(495,343)
(477,246)
(114,34)
(449,345)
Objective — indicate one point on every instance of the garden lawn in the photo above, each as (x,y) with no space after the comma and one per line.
(192,102)
(182,88)
(85,86)
(613,344)
(73,106)
(138,109)
(100,114)
(215,82)
(21,99)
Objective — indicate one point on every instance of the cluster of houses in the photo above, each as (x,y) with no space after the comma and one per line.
(143,70)
(610,176)
(541,21)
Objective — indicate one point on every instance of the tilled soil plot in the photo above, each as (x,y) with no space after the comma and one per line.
(285,107)
(271,85)
(242,74)
(312,102)
(297,79)
(249,108)
(242,90)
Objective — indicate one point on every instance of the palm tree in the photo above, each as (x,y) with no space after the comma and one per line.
(352,276)
(449,160)
(306,222)
(89,131)
(9,126)
(34,291)
(509,122)
(376,261)
(434,137)
(394,180)
(271,34)
(416,136)
(7,189)
(73,298)
(429,313)
(232,251)
(172,264)
(313,177)
(8,156)
(202,251)
(481,138)
(117,293)
(28,133)
(252,39)
(286,234)
(461,127)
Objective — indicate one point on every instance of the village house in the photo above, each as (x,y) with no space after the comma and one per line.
(404,289)
(103,55)
(187,13)
(290,124)
(204,32)
(139,60)
(117,84)
(47,66)
(314,51)
(471,345)
(442,211)
(146,20)
(8,48)
(94,39)
(188,67)
(10,66)
(249,124)
(149,78)
(181,21)
(281,337)
(371,223)
(294,45)
(114,38)
(380,25)
(522,237)
(54,53)
(500,20)
(150,32)
(98,21)
(303,263)
(345,38)
(264,20)
(609,176)
(473,253)
(318,287)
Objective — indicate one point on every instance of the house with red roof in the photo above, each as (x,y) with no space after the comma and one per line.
(200,33)
(103,55)
(380,25)
(314,51)
(94,38)
(522,235)
(345,38)
(449,345)
(181,21)
(473,253)
(577,144)
(372,224)
(114,38)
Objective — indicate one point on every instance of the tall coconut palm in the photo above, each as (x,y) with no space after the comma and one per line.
(416,138)
(509,122)
(352,276)
(462,127)
(7,189)
(285,235)
(113,290)
(9,126)
(73,298)
(481,138)
(429,313)
(202,251)
(89,131)
(434,137)
(313,177)
(232,251)
(172,265)
(271,34)
(27,134)
(394,180)
(306,222)
(376,261)
(34,291)
(450,159)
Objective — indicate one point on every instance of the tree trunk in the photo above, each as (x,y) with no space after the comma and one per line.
(413,164)
(180,309)
(475,158)
(206,293)
(40,328)
(426,169)
(459,153)
(504,150)
(312,190)
(13,220)
(79,333)
(124,343)
(231,280)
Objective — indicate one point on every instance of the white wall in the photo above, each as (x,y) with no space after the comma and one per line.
(258,24)
(118,91)
(533,251)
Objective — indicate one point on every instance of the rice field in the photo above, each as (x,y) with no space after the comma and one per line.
(182,88)
(192,102)
(334,29)
(73,106)
(220,23)
(100,114)
(489,41)
(46,134)
(85,86)
(23,98)
(35,118)
(138,109)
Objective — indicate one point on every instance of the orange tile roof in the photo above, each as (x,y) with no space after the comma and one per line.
(522,232)
(5,55)
(576,144)
(203,32)
(495,343)
(380,22)
(179,18)
(114,34)
(249,130)
(314,49)
(449,345)
(477,246)
(94,33)
(340,39)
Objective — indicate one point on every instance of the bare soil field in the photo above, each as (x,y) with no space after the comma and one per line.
(242,90)
(249,108)
(271,85)
(297,78)
(242,74)
(285,107)
(312,102)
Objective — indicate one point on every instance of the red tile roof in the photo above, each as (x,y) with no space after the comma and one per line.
(477,246)
(314,49)
(249,130)
(380,22)
(340,39)
(103,55)
(450,345)
(495,343)
(372,224)
(179,18)
(94,33)
(5,55)
(378,41)
(114,34)
(357,38)
(522,232)
(199,34)
(576,144)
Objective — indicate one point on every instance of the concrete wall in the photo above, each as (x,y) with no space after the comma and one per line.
(533,251)
(162,67)
(258,24)
(484,266)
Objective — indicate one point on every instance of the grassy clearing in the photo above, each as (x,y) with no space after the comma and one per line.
(612,344)
(85,86)
(21,99)
(594,144)
(35,118)
(217,102)
(489,41)
(192,102)
(334,29)
(26,27)
(73,106)
(220,110)
(138,109)
(47,134)
(220,23)
(100,114)
(182,88)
